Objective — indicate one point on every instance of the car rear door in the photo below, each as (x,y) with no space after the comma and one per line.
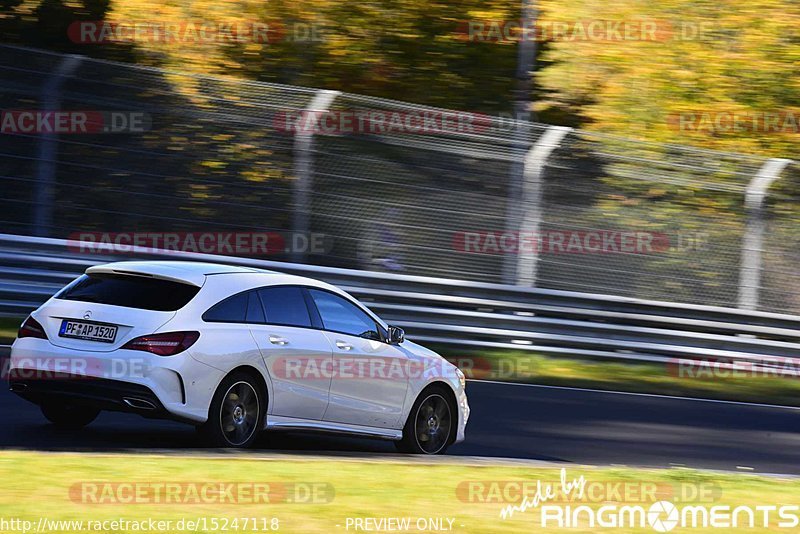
(297,355)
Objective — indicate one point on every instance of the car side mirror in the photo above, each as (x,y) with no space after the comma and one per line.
(396,335)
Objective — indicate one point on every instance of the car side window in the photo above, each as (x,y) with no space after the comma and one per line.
(340,315)
(255,312)
(285,305)
(231,310)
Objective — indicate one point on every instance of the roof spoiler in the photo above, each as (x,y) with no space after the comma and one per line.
(144,270)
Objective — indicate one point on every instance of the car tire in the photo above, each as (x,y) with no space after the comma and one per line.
(69,416)
(431,423)
(236,414)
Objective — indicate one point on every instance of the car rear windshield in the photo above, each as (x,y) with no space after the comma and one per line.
(130,291)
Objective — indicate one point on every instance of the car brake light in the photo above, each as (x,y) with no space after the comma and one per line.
(167,344)
(31,328)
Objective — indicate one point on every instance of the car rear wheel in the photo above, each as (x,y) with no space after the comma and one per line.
(430,423)
(69,416)
(236,413)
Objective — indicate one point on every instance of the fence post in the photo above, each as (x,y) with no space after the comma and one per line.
(526,63)
(46,163)
(753,242)
(532,189)
(304,168)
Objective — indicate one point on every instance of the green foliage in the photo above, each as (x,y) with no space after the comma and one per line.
(706,56)
(714,57)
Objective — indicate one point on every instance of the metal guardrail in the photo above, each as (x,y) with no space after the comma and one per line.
(464,313)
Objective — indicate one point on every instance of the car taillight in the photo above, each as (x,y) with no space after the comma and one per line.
(167,344)
(31,328)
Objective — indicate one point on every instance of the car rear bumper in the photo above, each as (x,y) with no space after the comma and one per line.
(176,387)
(103,394)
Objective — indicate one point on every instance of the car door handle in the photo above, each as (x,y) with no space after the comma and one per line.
(343,346)
(277,340)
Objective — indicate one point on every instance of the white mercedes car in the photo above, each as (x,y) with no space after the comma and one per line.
(232,350)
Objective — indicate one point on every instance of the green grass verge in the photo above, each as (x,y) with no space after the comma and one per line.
(38,485)
(661,379)
(8,329)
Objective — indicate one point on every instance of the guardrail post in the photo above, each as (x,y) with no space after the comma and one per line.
(753,241)
(303,165)
(46,163)
(532,188)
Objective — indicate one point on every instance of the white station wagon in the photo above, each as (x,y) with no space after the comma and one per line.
(233,350)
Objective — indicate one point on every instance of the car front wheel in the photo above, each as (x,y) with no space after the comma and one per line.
(430,424)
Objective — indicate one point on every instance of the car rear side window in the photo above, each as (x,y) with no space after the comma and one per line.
(130,291)
(242,308)
(255,312)
(230,310)
(285,305)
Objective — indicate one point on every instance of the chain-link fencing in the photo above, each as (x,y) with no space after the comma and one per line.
(387,185)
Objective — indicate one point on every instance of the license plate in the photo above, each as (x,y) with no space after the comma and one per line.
(88,331)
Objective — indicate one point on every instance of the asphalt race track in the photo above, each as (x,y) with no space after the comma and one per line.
(511,421)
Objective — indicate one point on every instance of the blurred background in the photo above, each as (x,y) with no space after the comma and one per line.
(649,96)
